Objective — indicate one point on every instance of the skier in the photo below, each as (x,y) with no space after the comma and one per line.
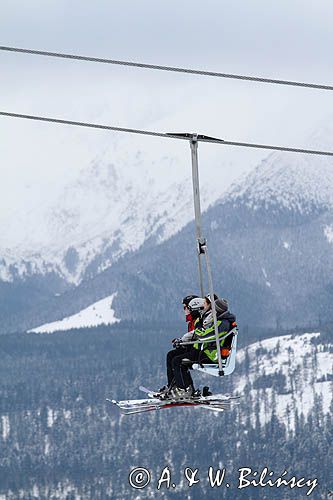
(188,315)
(208,305)
(201,353)
(193,310)
(207,316)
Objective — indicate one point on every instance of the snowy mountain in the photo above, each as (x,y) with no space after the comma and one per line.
(270,253)
(270,239)
(110,210)
(299,183)
(120,201)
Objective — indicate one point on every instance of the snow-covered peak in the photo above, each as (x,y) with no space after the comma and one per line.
(131,193)
(298,182)
(292,181)
(116,204)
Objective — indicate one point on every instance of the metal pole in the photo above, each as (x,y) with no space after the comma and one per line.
(212,301)
(201,242)
(197,209)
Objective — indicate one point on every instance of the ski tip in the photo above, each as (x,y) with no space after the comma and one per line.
(113,401)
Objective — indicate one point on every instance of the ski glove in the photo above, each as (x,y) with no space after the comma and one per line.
(187,337)
(176,342)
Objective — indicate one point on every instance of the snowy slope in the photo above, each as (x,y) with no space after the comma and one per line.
(131,194)
(299,182)
(108,210)
(99,313)
(119,202)
(291,370)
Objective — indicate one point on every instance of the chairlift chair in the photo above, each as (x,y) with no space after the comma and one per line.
(228,363)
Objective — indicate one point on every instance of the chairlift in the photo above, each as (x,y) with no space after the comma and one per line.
(225,363)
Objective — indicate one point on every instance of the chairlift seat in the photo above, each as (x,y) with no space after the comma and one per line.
(228,364)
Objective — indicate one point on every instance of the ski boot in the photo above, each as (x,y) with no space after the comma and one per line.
(178,393)
(162,393)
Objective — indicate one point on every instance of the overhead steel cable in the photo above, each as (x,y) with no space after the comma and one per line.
(168,68)
(186,136)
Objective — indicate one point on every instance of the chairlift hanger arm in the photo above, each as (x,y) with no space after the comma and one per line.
(194,137)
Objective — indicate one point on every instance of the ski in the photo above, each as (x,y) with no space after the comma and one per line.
(131,410)
(147,391)
(137,403)
(218,402)
(213,397)
(150,392)
(169,403)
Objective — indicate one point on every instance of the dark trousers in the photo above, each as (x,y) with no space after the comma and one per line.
(179,351)
(181,372)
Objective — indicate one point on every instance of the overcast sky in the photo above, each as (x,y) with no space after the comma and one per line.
(289,39)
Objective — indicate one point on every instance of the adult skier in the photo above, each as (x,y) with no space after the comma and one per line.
(203,351)
(189,317)
(193,310)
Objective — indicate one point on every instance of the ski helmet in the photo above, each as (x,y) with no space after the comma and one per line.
(208,297)
(186,300)
(196,304)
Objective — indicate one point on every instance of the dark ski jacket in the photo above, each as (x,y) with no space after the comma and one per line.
(225,322)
